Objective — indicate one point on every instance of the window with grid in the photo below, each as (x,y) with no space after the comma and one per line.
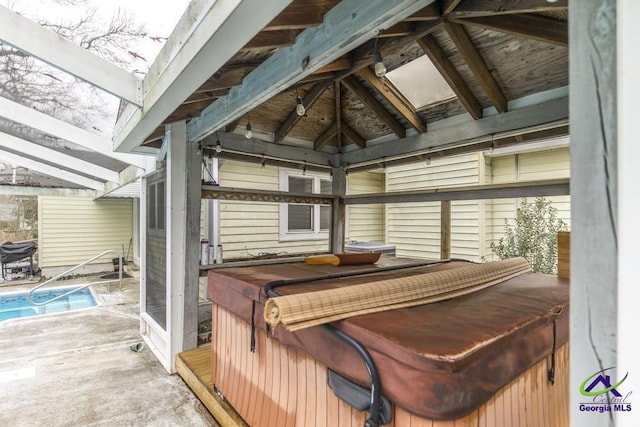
(300,221)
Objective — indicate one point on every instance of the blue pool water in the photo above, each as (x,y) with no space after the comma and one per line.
(17,305)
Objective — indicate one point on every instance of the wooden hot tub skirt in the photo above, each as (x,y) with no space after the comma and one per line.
(283,386)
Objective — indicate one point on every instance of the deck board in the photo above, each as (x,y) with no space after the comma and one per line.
(194,366)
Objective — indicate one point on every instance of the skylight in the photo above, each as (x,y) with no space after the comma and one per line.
(421,83)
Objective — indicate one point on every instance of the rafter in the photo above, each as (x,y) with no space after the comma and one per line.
(354,136)
(36,151)
(345,26)
(337,90)
(400,29)
(438,57)
(326,136)
(308,100)
(476,65)
(299,15)
(266,40)
(47,169)
(429,13)
(468,8)
(535,27)
(448,6)
(405,111)
(374,105)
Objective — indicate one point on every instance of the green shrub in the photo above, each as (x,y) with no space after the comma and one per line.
(534,236)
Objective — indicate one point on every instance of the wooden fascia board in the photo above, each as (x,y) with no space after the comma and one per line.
(374,105)
(397,103)
(432,49)
(308,100)
(539,28)
(346,26)
(476,64)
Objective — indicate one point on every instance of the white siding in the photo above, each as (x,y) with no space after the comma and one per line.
(73,229)
(365,222)
(414,228)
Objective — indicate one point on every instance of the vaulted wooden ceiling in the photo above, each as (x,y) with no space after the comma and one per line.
(490,52)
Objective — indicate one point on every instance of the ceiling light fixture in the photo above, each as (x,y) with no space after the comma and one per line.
(300,110)
(378,65)
(247,133)
(218,145)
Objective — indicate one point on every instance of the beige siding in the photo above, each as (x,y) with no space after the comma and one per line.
(73,229)
(365,222)
(250,229)
(414,228)
(541,165)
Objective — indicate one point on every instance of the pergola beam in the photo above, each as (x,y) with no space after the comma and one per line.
(345,26)
(552,187)
(46,169)
(209,34)
(32,150)
(24,190)
(39,42)
(44,123)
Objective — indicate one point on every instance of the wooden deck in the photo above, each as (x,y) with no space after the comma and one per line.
(194,367)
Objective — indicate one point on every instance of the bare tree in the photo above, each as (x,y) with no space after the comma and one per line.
(37,85)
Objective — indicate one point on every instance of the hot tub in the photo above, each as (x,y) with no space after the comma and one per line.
(481,359)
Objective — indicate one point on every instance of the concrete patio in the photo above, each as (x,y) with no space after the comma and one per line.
(76,368)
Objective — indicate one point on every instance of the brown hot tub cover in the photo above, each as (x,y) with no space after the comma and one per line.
(438,361)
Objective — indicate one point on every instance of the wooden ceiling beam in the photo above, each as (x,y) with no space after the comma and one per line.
(266,40)
(405,111)
(225,78)
(468,8)
(535,27)
(363,55)
(374,105)
(297,17)
(475,62)
(187,111)
(326,136)
(439,58)
(429,13)
(339,64)
(399,30)
(354,136)
(232,126)
(316,77)
(308,100)
(337,90)
(448,6)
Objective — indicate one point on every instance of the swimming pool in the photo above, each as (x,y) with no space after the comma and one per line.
(17,305)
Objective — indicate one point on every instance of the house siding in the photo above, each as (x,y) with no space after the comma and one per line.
(365,222)
(73,229)
(249,229)
(414,228)
(542,165)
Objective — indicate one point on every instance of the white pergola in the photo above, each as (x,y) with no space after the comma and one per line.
(603,104)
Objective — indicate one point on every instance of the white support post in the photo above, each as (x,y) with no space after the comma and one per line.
(338,211)
(183,231)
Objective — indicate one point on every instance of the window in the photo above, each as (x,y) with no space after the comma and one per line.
(155,206)
(303,221)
